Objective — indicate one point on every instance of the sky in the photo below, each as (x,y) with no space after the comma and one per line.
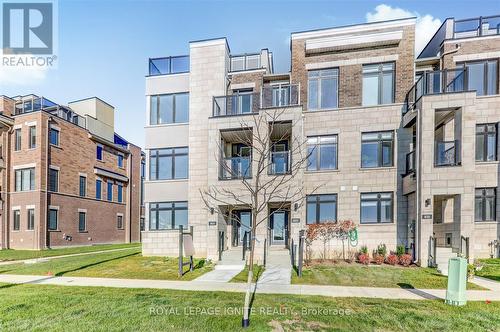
(104,45)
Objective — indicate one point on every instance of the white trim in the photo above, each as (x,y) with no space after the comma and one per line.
(466,39)
(30,207)
(248,85)
(16,208)
(353,29)
(57,168)
(476,56)
(82,174)
(355,61)
(119,214)
(212,42)
(17,126)
(53,207)
(52,126)
(32,165)
(82,210)
(30,124)
(346,40)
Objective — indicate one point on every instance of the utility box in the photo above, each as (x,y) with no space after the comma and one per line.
(457,282)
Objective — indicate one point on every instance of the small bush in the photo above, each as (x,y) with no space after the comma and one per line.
(471,271)
(378,259)
(400,250)
(405,259)
(351,256)
(382,250)
(392,259)
(364,259)
(364,250)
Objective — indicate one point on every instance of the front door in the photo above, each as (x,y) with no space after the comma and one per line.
(279,227)
(242,221)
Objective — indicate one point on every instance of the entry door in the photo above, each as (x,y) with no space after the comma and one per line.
(279,228)
(241,223)
(280,159)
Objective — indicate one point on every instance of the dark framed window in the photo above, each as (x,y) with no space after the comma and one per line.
(53,219)
(25,179)
(142,224)
(485,204)
(482,76)
(486,142)
(378,84)
(99,152)
(120,160)
(17,139)
(98,189)
(167,164)
(376,208)
(16,225)
(110,191)
(323,89)
(120,193)
(168,215)
(54,136)
(32,138)
(83,186)
(119,221)
(171,108)
(82,221)
(377,149)
(31,220)
(321,208)
(53,180)
(322,152)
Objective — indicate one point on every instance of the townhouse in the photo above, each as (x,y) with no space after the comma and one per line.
(390,145)
(67,178)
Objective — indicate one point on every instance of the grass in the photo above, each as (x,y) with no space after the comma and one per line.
(119,264)
(68,308)
(344,274)
(243,275)
(491,269)
(12,254)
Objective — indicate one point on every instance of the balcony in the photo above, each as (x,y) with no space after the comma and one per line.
(476,27)
(169,65)
(410,162)
(447,153)
(280,162)
(245,62)
(237,104)
(280,95)
(236,168)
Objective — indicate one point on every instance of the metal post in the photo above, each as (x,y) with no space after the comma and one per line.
(301,252)
(291,255)
(265,251)
(244,248)
(180,250)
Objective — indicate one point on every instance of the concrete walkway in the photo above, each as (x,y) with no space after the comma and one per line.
(278,268)
(332,291)
(225,270)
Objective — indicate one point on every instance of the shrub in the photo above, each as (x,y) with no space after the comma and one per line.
(364,259)
(471,271)
(382,250)
(392,259)
(364,250)
(351,256)
(400,250)
(405,259)
(378,259)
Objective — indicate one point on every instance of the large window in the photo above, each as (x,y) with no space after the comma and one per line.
(486,142)
(110,191)
(376,208)
(82,221)
(378,84)
(120,192)
(322,152)
(377,149)
(17,139)
(53,180)
(485,204)
(25,179)
(54,136)
(168,215)
(53,219)
(98,189)
(17,220)
(31,219)
(323,89)
(172,108)
(167,164)
(483,77)
(32,138)
(321,208)
(83,186)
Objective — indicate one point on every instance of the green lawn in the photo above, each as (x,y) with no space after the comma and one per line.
(118,264)
(67,308)
(243,275)
(344,274)
(491,269)
(11,254)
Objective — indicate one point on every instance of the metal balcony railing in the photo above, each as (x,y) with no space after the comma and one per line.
(245,62)
(237,104)
(236,168)
(169,65)
(280,95)
(477,27)
(447,153)
(280,162)
(410,162)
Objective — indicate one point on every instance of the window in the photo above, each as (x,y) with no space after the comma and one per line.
(485,204)
(482,77)
(322,152)
(53,180)
(32,138)
(376,208)
(321,208)
(378,84)
(110,191)
(82,221)
(53,215)
(168,215)
(54,136)
(83,186)
(142,224)
(120,193)
(17,220)
(166,164)
(323,88)
(17,139)
(119,221)
(486,142)
(99,152)
(31,220)
(377,149)
(98,189)
(25,179)
(120,161)
(171,108)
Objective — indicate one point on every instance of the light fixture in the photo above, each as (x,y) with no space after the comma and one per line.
(295,207)
(212,210)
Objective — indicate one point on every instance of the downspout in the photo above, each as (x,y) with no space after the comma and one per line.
(441,57)
(6,212)
(45,217)
(417,236)
(129,197)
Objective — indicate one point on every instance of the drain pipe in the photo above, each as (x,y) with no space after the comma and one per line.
(441,57)
(45,217)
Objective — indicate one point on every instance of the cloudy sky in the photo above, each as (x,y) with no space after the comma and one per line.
(104,45)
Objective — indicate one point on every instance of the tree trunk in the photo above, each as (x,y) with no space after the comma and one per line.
(248,294)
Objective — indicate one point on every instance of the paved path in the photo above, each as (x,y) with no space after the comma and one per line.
(44,259)
(333,291)
(221,274)
(278,268)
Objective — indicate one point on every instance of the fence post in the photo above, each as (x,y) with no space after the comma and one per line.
(265,251)
(301,252)
(181,245)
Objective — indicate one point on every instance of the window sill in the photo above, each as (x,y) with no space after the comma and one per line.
(82,232)
(120,229)
(54,230)
(486,222)
(491,162)
(166,181)
(376,223)
(336,170)
(55,146)
(377,168)
(167,125)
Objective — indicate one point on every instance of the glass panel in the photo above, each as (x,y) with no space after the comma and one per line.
(311,210)
(245,103)
(253,61)
(153,110)
(181,108)
(313,94)
(237,63)
(181,218)
(328,156)
(492,77)
(152,167)
(489,208)
(386,153)
(386,211)
(26,179)
(327,212)
(52,219)
(368,211)
(166,113)
(180,64)
(371,68)
(245,223)
(278,226)
(164,168)
(165,219)
(476,77)
(312,157)
(370,90)
(479,209)
(328,93)
(480,147)
(181,167)
(388,88)
(492,147)
(369,154)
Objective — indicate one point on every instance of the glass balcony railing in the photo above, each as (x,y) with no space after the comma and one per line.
(280,95)
(237,104)
(280,162)
(410,162)
(169,65)
(447,153)
(236,168)
(477,27)
(245,62)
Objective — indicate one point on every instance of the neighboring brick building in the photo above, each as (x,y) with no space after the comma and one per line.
(354,95)
(67,178)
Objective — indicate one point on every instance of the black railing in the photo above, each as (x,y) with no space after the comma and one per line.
(169,65)
(280,95)
(477,27)
(246,244)
(301,253)
(221,244)
(237,104)
(410,162)
(447,153)
(432,251)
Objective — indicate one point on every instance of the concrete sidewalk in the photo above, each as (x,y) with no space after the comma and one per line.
(332,291)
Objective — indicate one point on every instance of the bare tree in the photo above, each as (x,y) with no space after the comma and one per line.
(261,131)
